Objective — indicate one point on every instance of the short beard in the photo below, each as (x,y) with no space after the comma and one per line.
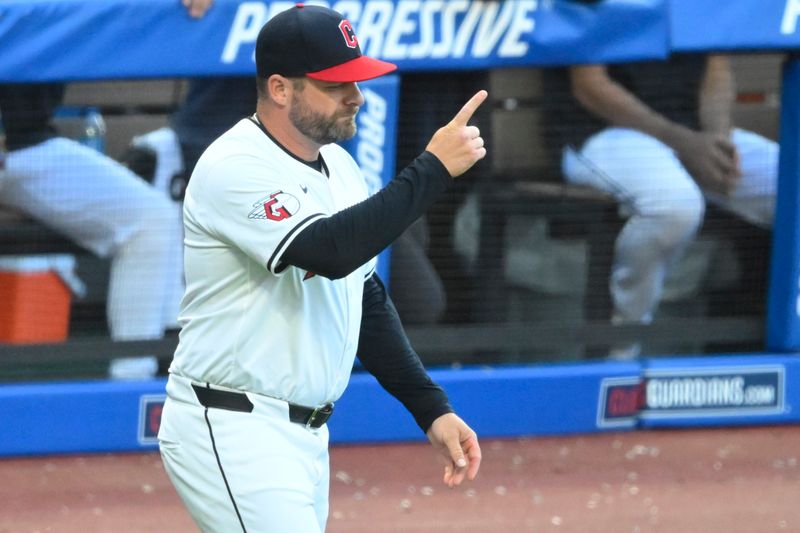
(318,127)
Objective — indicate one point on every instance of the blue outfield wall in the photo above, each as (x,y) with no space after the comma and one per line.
(104,416)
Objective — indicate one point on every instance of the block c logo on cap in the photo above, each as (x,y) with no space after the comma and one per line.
(349,33)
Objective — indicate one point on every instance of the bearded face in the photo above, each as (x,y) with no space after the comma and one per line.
(319,127)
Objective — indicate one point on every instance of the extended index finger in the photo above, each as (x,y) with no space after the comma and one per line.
(472,105)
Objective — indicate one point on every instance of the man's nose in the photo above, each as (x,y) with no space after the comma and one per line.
(354,95)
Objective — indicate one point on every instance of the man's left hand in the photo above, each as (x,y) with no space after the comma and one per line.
(458,445)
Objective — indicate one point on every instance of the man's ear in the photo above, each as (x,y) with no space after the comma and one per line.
(279,89)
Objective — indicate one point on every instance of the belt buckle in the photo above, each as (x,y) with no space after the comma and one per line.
(326,410)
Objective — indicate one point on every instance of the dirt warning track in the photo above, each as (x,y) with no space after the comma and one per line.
(732,480)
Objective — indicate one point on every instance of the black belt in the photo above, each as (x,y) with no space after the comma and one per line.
(313,417)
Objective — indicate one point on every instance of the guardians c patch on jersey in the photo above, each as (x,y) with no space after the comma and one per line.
(276,206)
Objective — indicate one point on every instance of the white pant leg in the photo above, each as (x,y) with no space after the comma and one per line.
(259,473)
(103,206)
(169,162)
(665,205)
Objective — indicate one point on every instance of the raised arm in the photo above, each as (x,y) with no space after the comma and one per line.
(335,246)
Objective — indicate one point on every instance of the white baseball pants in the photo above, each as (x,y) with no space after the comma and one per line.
(238,471)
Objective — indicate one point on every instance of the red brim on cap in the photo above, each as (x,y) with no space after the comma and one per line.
(358,69)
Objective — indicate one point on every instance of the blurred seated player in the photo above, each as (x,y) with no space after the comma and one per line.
(101,205)
(659,137)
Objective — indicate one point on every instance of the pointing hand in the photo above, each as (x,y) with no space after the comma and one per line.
(458,145)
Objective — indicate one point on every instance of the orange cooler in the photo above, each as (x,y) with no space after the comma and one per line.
(35,297)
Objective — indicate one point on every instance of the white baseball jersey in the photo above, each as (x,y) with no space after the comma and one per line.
(249,321)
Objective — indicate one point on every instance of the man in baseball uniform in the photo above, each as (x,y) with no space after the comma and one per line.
(281,290)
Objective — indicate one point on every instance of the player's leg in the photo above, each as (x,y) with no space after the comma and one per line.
(323,482)
(168,169)
(754,197)
(190,463)
(103,206)
(664,205)
(759,161)
(238,471)
(283,480)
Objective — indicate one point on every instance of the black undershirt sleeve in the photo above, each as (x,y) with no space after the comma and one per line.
(335,246)
(386,353)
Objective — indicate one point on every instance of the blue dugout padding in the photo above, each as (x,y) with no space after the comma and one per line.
(72,417)
(100,416)
(498,402)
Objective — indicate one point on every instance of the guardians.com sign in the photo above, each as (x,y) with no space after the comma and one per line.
(692,392)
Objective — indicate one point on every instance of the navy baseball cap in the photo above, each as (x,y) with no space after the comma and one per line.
(316,42)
